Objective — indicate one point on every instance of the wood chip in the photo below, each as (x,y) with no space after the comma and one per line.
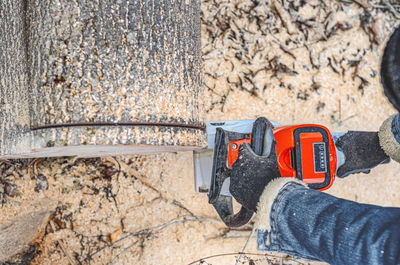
(114,236)
(364,3)
(18,233)
(378,28)
(285,17)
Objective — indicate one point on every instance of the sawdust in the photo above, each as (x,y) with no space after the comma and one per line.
(300,61)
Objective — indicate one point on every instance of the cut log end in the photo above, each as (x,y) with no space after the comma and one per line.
(90,141)
(89,151)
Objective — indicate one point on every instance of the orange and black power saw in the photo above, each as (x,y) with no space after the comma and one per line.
(308,152)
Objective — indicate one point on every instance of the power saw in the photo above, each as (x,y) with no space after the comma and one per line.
(308,152)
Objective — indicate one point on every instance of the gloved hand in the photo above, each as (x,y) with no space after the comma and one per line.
(362,151)
(255,167)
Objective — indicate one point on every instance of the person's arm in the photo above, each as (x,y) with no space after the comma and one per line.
(311,224)
(314,225)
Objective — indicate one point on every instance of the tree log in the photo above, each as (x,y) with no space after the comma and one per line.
(105,77)
(14,96)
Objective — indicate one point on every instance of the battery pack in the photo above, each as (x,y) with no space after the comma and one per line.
(306,152)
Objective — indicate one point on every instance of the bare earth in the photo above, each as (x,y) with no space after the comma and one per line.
(296,62)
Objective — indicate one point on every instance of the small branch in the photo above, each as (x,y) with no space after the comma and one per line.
(137,175)
(113,161)
(285,17)
(33,164)
(62,245)
(183,207)
(391,9)
(364,4)
(245,246)
(122,252)
(226,254)
(285,49)
(149,230)
(241,253)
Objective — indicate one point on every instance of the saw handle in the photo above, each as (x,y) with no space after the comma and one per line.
(220,172)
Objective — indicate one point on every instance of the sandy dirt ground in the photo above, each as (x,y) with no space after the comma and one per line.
(293,62)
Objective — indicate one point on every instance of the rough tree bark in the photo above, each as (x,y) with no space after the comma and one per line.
(14,106)
(104,77)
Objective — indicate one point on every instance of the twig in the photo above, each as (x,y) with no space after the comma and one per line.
(62,246)
(120,253)
(116,163)
(391,8)
(285,17)
(364,4)
(231,233)
(245,246)
(183,207)
(137,175)
(113,161)
(151,229)
(33,164)
(350,117)
(238,253)
(285,49)
(226,254)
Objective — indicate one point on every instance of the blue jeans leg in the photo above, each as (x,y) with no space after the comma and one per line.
(314,225)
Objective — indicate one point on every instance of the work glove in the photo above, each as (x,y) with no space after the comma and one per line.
(256,166)
(362,152)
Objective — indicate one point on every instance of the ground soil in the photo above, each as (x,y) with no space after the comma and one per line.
(293,62)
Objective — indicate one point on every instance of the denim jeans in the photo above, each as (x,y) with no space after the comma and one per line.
(317,226)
